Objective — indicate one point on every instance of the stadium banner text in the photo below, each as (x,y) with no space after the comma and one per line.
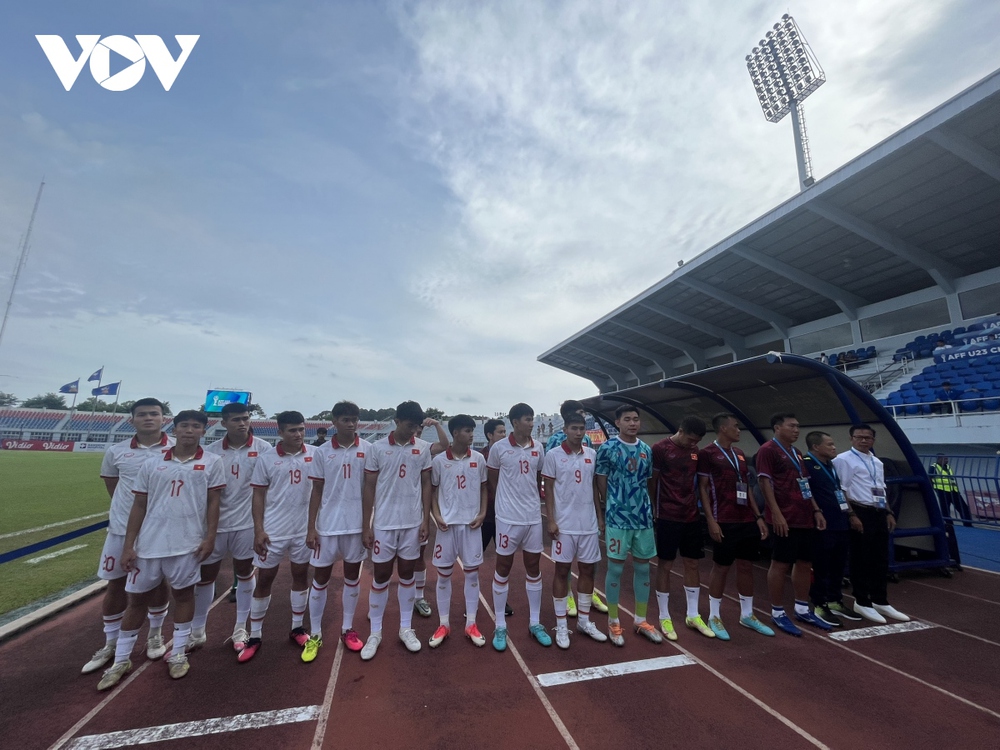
(57,446)
(972,351)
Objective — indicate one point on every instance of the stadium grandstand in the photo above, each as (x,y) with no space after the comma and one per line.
(887,269)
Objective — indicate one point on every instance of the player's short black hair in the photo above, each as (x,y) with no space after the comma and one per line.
(191,415)
(570,407)
(490,427)
(234,408)
(520,410)
(410,411)
(460,421)
(345,409)
(815,437)
(625,409)
(147,402)
(574,418)
(780,418)
(287,418)
(861,426)
(721,418)
(693,426)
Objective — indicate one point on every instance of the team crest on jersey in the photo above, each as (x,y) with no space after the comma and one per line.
(360,454)
(534,453)
(251,454)
(694,456)
(642,455)
(415,451)
(473,464)
(199,467)
(128,455)
(307,459)
(586,460)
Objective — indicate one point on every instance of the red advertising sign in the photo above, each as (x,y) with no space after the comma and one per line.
(35,445)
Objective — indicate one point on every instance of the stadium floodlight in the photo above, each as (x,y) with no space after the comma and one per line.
(784,71)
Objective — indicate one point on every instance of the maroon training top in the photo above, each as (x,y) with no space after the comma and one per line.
(722,478)
(676,499)
(781,470)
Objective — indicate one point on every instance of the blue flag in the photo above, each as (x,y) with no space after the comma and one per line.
(73,387)
(96,376)
(107,390)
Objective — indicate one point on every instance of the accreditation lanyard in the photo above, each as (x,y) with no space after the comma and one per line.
(832,474)
(803,482)
(741,486)
(878,493)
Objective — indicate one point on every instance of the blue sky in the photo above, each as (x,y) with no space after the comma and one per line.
(383,201)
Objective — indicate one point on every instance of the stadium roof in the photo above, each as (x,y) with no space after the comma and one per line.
(917,215)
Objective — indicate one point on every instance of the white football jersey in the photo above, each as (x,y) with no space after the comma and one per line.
(341,469)
(398,494)
(459,482)
(574,488)
(517,501)
(286,478)
(236,512)
(123,460)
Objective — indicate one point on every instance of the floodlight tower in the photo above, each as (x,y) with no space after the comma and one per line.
(784,72)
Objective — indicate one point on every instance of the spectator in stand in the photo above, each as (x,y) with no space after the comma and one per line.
(945,395)
(320,436)
(946,489)
(849,358)
(941,347)
(823,358)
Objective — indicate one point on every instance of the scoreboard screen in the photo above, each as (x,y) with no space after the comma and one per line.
(216,399)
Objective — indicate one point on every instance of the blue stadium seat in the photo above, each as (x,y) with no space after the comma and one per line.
(959,331)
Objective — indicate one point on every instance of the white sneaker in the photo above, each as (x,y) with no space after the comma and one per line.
(869,613)
(154,647)
(196,640)
(409,638)
(591,629)
(887,610)
(101,657)
(368,652)
(562,637)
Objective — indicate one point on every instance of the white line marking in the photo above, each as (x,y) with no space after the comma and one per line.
(148,735)
(612,670)
(874,631)
(331,685)
(956,593)
(980,570)
(68,735)
(549,708)
(43,558)
(959,632)
(10,534)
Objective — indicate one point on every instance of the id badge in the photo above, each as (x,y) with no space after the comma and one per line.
(804,488)
(879,494)
(841,500)
(741,493)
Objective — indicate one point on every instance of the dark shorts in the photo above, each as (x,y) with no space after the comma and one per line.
(740,541)
(798,545)
(687,537)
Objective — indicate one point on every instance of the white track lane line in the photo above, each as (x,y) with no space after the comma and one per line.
(956,593)
(550,679)
(10,534)
(61,742)
(183,730)
(742,691)
(324,710)
(549,708)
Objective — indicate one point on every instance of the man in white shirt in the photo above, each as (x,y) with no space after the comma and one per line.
(281,490)
(396,500)
(515,475)
(862,478)
(171,530)
(119,470)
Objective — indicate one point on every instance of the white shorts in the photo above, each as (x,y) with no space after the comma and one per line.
(179,571)
(585,548)
(295,549)
(346,547)
(238,543)
(459,542)
(391,543)
(110,568)
(512,538)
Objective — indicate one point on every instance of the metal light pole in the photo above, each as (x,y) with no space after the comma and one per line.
(784,71)
(22,258)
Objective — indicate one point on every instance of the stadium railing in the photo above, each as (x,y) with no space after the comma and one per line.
(978,480)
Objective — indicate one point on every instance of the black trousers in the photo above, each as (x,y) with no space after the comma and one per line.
(952,498)
(870,557)
(489,530)
(830,554)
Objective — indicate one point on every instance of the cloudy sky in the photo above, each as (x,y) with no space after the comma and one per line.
(387,200)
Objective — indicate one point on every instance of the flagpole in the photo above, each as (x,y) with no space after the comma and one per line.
(99,379)
(73,405)
(118,395)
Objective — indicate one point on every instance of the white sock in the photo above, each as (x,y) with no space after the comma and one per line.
(583,607)
(560,606)
(300,600)
(444,594)
(663,601)
(406,595)
(112,626)
(378,597)
(182,632)
(258,609)
(714,606)
(125,644)
(471,596)
(534,588)
(244,595)
(317,605)
(777,611)
(746,606)
(691,593)
(500,589)
(801,608)
(156,616)
(419,582)
(204,593)
(349,599)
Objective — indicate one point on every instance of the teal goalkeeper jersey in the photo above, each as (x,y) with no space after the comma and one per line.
(627,468)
